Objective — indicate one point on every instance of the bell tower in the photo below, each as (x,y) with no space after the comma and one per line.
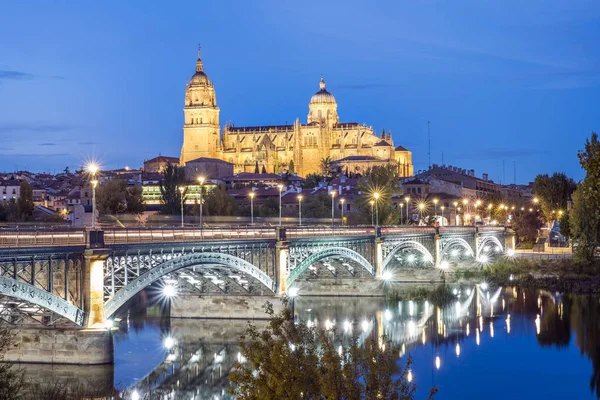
(201,137)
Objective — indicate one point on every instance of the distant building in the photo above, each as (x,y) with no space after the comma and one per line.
(10,189)
(209,168)
(158,164)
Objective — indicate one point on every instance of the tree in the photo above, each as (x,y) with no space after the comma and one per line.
(256,167)
(25,204)
(584,219)
(292,361)
(553,192)
(326,165)
(382,179)
(11,379)
(67,171)
(270,208)
(565,226)
(111,197)
(134,200)
(291,168)
(318,206)
(526,225)
(173,178)
(312,180)
(219,202)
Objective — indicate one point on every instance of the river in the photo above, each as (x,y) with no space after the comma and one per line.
(487,343)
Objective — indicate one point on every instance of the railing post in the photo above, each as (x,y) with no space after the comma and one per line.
(437,253)
(281,260)
(477,234)
(93,289)
(378,243)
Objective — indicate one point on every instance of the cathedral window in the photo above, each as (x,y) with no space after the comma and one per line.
(200,120)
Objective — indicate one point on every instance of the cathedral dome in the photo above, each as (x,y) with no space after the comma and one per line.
(199,78)
(322,96)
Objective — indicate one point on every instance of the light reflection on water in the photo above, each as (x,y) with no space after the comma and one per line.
(526,344)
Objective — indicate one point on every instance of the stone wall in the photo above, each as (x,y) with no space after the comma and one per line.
(61,346)
(222,307)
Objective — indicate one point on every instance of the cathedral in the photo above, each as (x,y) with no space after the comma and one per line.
(299,147)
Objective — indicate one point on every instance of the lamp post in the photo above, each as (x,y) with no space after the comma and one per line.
(407,199)
(455,213)
(372,212)
(376,196)
(93,170)
(300,209)
(401,211)
(421,207)
(332,206)
(201,181)
(435,201)
(280,187)
(251,194)
(181,190)
(442,214)
(342,202)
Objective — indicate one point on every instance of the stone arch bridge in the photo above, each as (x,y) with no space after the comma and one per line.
(85,277)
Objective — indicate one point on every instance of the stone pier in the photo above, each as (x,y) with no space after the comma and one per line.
(222,307)
(61,346)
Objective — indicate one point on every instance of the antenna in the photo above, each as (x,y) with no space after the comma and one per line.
(515,171)
(429,139)
(503,174)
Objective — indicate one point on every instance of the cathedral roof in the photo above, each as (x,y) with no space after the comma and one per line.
(200,77)
(322,96)
(382,143)
(400,148)
(357,158)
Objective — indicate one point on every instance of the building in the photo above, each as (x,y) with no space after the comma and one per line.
(278,147)
(157,164)
(209,168)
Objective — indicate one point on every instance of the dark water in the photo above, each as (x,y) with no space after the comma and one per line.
(486,344)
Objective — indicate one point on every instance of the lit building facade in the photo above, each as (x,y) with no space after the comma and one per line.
(278,147)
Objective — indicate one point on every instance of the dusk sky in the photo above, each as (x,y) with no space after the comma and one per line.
(513,81)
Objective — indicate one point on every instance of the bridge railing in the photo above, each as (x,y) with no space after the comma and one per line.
(457,229)
(407,230)
(150,235)
(492,229)
(325,231)
(34,238)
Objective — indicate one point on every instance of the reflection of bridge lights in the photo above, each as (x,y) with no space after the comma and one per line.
(293,292)
(365,325)
(328,325)
(491,328)
(309,323)
(510,253)
(218,358)
(438,362)
(483,285)
(486,248)
(135,395)
(455,291)
(387,275)
(292,347)
(410,258)
(468,329)
(468,291)
(347,326)
(483,259)
(171,357)
(409,376)
(388,315)
(411,327)
(498,249)
(454,253)
(457,350)
(537,324)
(108,324)
(169,342)
(477,336)
(411,308)
(457,309)
(169,290)
(241,359)
(508,323)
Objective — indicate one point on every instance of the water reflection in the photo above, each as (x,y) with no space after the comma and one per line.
(190,359)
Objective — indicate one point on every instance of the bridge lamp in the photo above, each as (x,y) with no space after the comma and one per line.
(135,395)
(483,259)
(292,292)
(510,253)
(410,258)
(444,265)
(407,199)
(372,202)
(280,187)
(201,182)
(387,276)
(498,249)
(365,325)
(376,196)
(108,324)
(342,200)
(443,208)
(169,291)
(181,190)
(169,342)
(251,194)
(332,206)
(454,253)
(300,209)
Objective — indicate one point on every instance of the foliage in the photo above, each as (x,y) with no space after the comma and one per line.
(565,225)
(312,180)
(110,197)
(326,167)
(526,224)
(134,200)
(553,192)
(219,202)
(292,361)
(270,208)
(25,204)
(173,177)
(383,180)
(291,168)
(584,217)
(11,379)
(318,206)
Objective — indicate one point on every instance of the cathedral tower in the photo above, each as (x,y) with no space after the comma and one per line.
(201,127)
(323,107)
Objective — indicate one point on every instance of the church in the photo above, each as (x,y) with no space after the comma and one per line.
(278,148)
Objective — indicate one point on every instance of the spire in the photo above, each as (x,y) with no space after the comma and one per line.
(199,66)
(322,83)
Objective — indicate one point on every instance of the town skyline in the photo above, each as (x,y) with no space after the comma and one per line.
(489,105)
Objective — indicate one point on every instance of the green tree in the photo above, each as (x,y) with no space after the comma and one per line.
(66,170)
(384,181)
(318,206)
(526,225)
(270,208)
(584,218)
(173,178)
(218,202)
(565,225)
(134,200)
(292,361)
(111,197)
(312,180)
(553,192)
(291,168)
(11,379)
(25,204)
(326,167)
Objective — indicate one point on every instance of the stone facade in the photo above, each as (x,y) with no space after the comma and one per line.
(276,147)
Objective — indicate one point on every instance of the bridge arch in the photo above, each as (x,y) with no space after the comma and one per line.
(177,263)
(330,252)
(448,243)
(49,301)
(407,245)
(486,240)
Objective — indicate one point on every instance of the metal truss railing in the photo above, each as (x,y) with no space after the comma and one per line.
(38,238)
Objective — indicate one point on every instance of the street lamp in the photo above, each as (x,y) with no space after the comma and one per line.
(280,187)
(376,196)
(401,212)
(455,213)
(201,181)
(181,190)
(372,202)
(300,209)
(443,208)
(466,204)
(421,207)
(332,206)
(490,213)
(407,199)
(93,170)
(435,201)
(342,202)
(251,194)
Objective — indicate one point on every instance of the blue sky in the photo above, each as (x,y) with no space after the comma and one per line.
(512,81)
